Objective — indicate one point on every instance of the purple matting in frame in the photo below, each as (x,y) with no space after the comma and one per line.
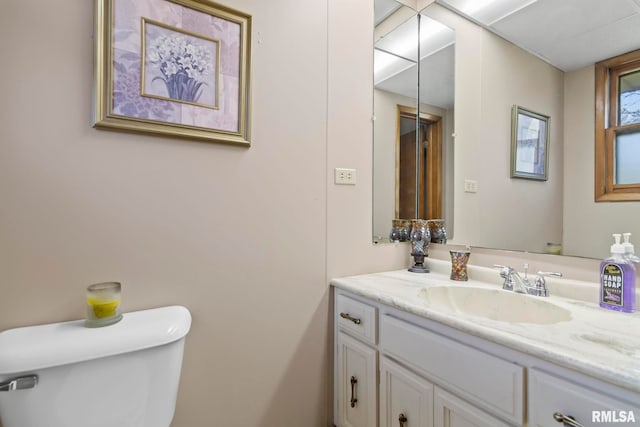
(128,99)
(173,67)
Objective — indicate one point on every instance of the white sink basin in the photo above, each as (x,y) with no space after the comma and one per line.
(495,304)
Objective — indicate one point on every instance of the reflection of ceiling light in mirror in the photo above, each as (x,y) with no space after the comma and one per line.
(399,51)
(401,41)
(487,11)
(430,28)
(386,66)
(434,36)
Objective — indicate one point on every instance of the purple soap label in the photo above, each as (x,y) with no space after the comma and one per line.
(612,281)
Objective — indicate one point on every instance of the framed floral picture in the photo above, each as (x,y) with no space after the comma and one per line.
(177,68)
(529,144)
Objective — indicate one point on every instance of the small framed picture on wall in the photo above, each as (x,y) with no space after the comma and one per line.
(529,144)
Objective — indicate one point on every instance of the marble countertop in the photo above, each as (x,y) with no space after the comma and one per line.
(597,342)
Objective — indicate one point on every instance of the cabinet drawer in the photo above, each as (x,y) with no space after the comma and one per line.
(549,394)
(357,318)
(481,378)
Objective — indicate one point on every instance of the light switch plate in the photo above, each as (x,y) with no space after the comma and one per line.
(470,186)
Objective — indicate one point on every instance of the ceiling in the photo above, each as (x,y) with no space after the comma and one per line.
(568,34)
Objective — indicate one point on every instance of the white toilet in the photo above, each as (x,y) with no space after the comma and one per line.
(67,375)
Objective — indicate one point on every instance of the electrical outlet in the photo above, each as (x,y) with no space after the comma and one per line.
(470,186)
(344,176)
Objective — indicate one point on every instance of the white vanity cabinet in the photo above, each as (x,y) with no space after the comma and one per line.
(411,371)
(419,371)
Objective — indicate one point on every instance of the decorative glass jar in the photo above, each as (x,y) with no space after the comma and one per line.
(420,239)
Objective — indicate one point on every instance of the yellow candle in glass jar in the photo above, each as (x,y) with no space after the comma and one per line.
(103,303)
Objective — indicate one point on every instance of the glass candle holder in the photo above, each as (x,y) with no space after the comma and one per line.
(438,231)
(405,230)
(103,304)
(459,260)
(396,226)
(420,238)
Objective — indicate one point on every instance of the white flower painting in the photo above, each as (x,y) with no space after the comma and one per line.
(165,68)
(180,66)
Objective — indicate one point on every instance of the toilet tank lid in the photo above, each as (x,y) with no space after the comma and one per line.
(37,347)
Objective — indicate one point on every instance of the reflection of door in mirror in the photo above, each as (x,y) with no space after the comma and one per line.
(414,67)
(418,165)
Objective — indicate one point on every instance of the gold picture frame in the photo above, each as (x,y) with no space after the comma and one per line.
(529,144)
(174,68)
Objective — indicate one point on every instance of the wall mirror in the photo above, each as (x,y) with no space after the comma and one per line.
(533,54)
(413,111)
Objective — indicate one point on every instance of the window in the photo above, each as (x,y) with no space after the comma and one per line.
(617,172)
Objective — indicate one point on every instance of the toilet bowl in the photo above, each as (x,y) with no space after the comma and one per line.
(67,375)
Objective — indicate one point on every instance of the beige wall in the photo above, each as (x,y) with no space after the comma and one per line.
(349,208)
(237,235)
(349,250)
(588,225)
(243,241)
(492,75)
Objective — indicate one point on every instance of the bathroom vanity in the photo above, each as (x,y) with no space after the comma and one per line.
(420,350)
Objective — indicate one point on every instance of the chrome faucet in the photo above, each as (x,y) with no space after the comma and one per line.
(514,282)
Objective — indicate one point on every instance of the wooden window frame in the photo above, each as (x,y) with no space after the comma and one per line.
(606,128)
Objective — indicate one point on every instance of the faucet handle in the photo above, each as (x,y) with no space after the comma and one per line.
(543,274)
(504,268)
(506,273)
(540,286)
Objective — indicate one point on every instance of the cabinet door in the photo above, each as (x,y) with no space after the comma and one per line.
(451,411)
(406,400)
(357,382)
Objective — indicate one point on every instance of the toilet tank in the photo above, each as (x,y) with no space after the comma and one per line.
(122,375)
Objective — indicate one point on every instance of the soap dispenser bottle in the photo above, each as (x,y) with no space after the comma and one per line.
(617,280)
(629,251)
